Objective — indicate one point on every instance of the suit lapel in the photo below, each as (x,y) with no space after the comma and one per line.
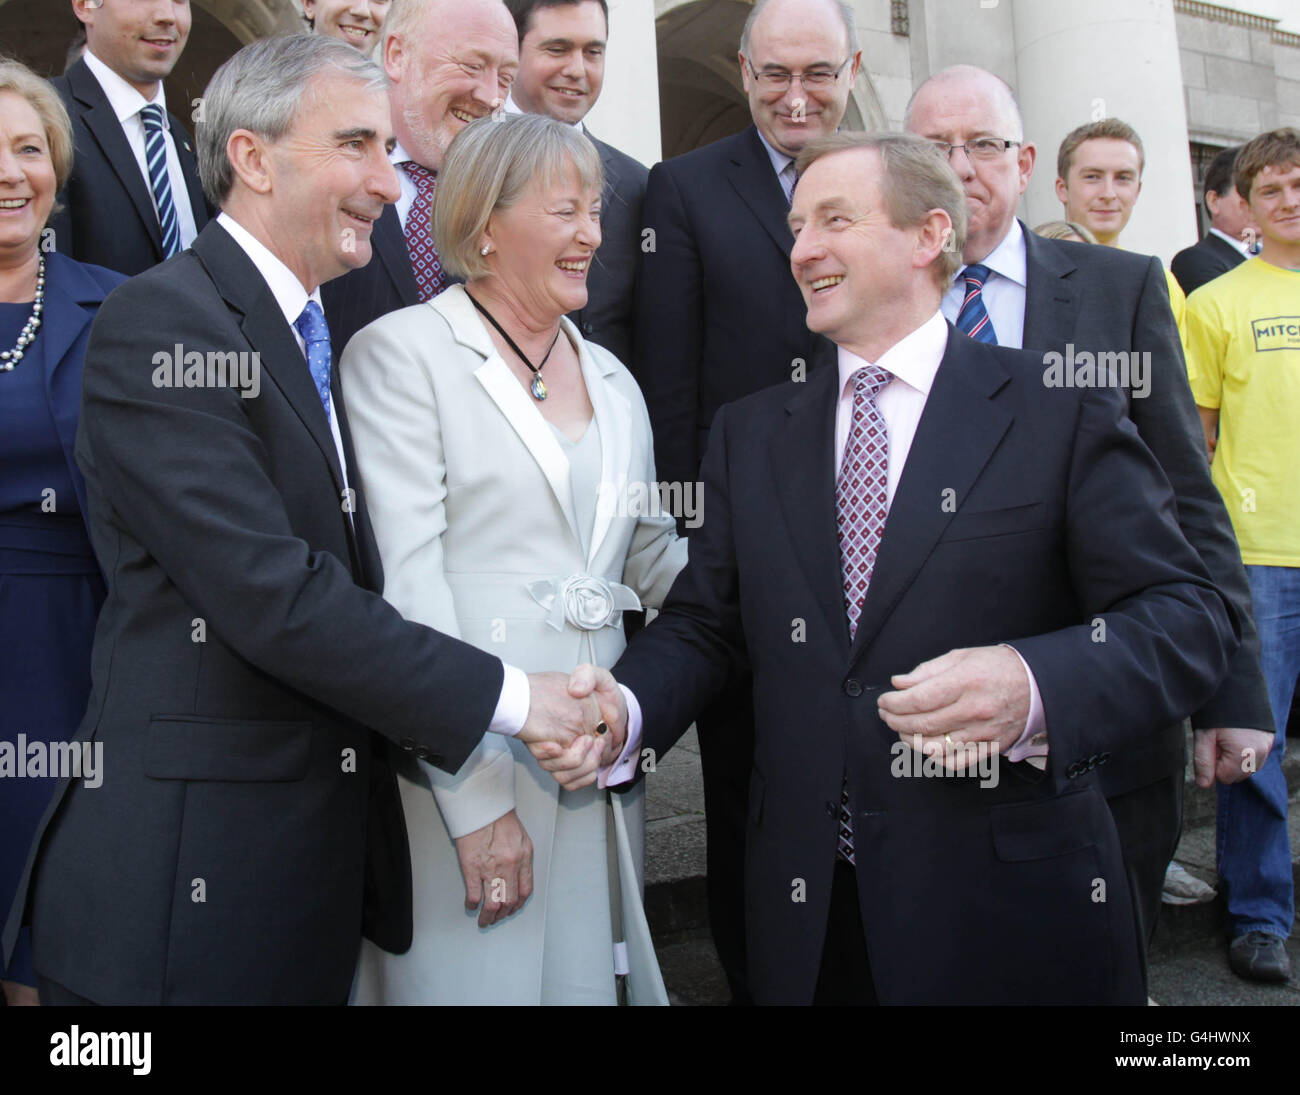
(67,290)
(1051,298)
(263,324)
(109,135)
(750,173)
(803,470)
(389,243)
(958,432)
(516,405)
(614,420)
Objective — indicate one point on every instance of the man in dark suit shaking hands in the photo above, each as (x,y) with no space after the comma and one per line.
(718,317)
(926,549)
(247,829)
(134,198)
(561,70)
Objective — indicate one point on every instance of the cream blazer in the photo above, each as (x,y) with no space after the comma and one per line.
(469,493)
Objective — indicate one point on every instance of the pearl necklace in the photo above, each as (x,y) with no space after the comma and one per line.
(10,358)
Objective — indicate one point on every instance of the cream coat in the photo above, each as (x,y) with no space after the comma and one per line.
(469,493)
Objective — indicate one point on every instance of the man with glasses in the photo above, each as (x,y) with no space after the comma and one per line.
(449,62)
(1018,289)
(719,315)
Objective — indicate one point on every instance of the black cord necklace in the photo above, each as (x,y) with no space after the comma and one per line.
(538,387)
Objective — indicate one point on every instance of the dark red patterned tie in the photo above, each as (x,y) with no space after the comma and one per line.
(861,506)
(429,275)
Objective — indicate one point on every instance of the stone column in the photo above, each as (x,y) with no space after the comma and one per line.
(627,113)
(1077,63)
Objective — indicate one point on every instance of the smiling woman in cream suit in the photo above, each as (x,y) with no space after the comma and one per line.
(506,519)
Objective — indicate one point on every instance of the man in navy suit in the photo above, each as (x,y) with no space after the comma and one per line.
(134,198)
(960,590)
(449,62)
(718,317)
(1054,296)
(561,70)
(1225,245)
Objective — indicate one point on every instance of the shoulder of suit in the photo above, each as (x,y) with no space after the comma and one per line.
(627,165)
(83,275)
(709,158)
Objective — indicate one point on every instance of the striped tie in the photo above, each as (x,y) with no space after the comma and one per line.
(973,319)
(155,154)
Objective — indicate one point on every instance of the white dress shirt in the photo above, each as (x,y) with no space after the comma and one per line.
(512,107)
(127,104)
(291,298)
(1004,289)
(914,361)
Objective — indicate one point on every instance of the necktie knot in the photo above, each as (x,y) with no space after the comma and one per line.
(425,178)
(868,380)
(311,324)
(977,273)
(973,319)
(152,116)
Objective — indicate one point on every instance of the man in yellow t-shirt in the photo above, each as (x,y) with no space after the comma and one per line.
(1243,343)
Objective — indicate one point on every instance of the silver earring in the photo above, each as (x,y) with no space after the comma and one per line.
(485,250)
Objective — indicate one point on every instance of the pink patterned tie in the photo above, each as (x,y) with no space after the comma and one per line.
(861,505)
(429,275)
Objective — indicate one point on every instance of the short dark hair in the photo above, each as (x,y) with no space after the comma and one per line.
(522,11)
(1218,178)
(1276,148)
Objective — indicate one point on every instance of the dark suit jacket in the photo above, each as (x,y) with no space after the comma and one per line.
(384,284)
(607,318)
(108,216)
(1204,261)
(1100,298)
(718,313)
(242,655)
(1063,519)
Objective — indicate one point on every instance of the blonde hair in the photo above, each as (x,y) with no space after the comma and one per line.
(41,96)
(490,165)
(1064,230)
(918,179)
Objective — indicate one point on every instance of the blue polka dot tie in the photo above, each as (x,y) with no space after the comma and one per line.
(973,319)
(316,334)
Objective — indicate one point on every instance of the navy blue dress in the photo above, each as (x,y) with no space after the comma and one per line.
(50,593)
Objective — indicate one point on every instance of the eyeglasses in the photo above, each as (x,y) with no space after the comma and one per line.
(778,80)
(981,148)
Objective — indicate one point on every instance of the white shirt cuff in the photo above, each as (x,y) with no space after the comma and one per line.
(512,707)
(1032,743)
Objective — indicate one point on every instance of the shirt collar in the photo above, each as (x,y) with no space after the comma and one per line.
(914,359)
(284,284)
(1007,258)
(1241,246)
(122,97)
(780,161)
(512,107)
(399,155)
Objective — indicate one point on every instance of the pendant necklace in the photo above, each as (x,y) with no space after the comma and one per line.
(538,387)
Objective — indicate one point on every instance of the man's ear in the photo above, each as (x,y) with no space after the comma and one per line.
(249,156)
(82,9)
(1062,192)
(1026,160)
(933,233)
(394,58)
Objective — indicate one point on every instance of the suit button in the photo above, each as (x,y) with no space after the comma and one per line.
(1103,758)
(853,687)
(408,744)
(423,752)
(832,809)
(1073,771)
(586,328)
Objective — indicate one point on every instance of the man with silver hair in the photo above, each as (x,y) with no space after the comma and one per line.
(247,832)
(718,316)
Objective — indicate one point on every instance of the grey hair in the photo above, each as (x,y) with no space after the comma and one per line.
(490,165)
(845,13)
(261,89)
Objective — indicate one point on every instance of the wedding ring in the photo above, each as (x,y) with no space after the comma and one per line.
(948,738)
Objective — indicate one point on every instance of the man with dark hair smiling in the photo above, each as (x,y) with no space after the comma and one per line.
(561,70)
